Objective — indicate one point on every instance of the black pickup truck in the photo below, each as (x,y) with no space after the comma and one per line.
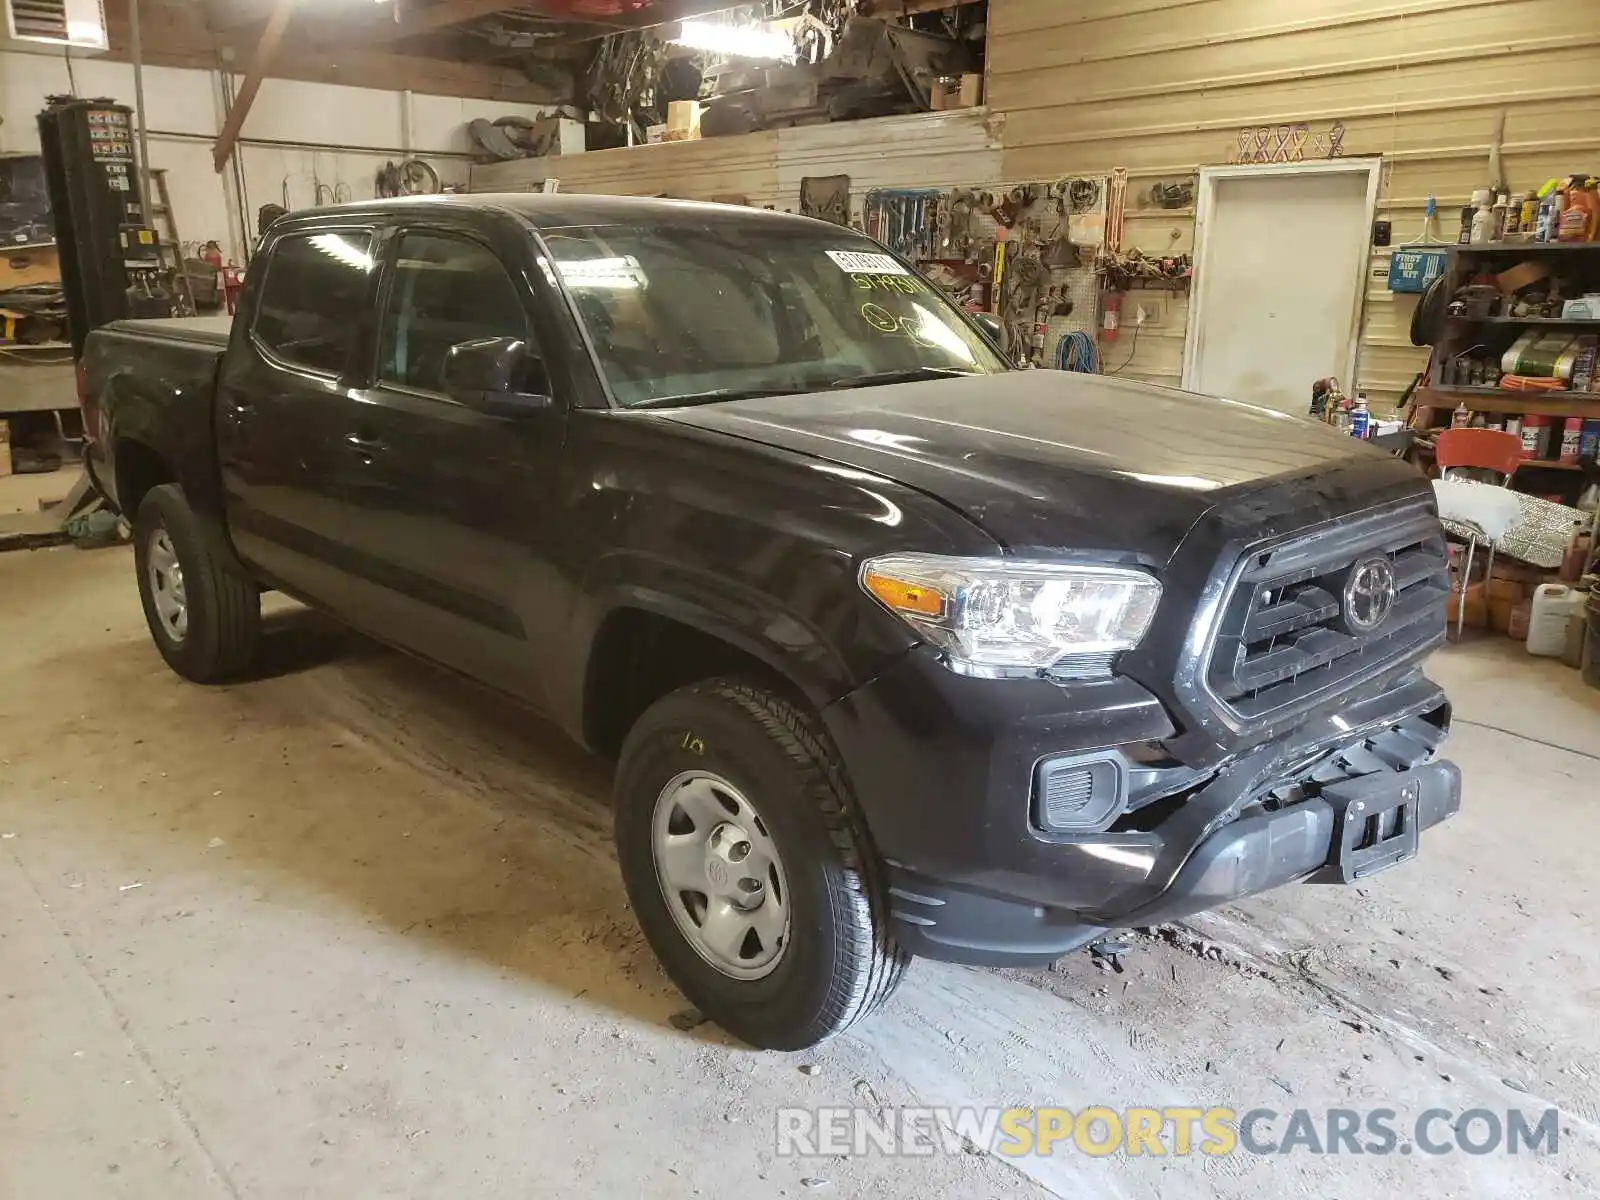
(900,651)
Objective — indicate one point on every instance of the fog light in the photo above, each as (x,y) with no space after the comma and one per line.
(1077,794)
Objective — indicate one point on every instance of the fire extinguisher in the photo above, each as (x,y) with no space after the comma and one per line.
(1110,316)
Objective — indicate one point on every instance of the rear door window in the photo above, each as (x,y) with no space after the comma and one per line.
(311,301)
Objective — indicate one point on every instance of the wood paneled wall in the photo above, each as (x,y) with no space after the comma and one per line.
(1162,87)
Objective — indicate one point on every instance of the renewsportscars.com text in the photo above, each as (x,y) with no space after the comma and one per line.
(1099,1132)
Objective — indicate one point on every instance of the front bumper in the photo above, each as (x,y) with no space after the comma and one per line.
(1312,841)
(941,765)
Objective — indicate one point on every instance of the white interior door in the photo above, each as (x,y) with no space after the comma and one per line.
(1279,279)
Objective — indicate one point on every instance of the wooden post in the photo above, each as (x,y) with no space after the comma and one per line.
(260,63)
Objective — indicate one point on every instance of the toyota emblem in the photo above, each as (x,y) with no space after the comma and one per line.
(1369,595)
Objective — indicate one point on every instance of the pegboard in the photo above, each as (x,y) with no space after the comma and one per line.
(1048,219)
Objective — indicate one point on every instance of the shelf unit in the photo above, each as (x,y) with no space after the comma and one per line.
(1528,248)
(1482,336)
(1497,400)
(1540,322)
(23,347)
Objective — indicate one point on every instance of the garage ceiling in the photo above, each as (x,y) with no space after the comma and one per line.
(487,48)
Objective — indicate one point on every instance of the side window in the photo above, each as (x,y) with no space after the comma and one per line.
(445,290)
(311,302)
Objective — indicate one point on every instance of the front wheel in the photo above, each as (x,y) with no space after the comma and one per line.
(205,619)
(751,874)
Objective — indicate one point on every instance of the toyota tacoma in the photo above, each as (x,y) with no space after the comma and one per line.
(899,651)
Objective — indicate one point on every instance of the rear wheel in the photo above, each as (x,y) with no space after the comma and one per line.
(750,872)
(204,619)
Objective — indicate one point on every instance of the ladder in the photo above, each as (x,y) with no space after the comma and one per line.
(165,223)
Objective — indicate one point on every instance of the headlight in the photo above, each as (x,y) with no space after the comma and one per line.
(997,616)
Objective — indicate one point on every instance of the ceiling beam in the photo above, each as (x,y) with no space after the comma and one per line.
(907,8)
(176,36)
(260,63)
(654,18)
(437,16)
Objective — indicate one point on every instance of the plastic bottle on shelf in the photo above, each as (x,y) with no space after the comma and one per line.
(1497,218)
(1532,434)
(1558,207)
(1482,217)
(1513,216)
(1571,436)
(1589,195)
(1360,417)
(1541,221)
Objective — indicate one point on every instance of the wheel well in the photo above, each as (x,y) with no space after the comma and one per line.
(639,657)
(139,469)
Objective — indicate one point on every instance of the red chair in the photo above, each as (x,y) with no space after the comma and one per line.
(1485,450)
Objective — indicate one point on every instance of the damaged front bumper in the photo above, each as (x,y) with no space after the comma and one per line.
(1340,798)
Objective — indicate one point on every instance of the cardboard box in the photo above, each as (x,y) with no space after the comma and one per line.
(1500,610)
(1508,590)
(956,91)
(1520,615)
(1477,607)
(683,121)
(21,268)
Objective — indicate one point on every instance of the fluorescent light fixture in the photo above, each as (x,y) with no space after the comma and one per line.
(337,248)
(621,272)
(739,41)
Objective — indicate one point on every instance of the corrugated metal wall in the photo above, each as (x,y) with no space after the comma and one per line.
(700,170)
(945,149)
(948,149)
(1164,86)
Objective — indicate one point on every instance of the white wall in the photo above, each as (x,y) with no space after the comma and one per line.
(297,135)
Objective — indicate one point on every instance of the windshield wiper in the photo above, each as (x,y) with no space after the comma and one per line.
(905,375)
(715,396)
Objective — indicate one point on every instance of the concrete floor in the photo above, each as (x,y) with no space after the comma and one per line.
(354,929)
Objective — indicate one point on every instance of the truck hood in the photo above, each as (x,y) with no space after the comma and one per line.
(1053,460)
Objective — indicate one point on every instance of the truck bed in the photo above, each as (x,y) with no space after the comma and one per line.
(148,385)
(212,330)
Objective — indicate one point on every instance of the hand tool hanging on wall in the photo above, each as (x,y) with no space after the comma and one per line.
(906,220)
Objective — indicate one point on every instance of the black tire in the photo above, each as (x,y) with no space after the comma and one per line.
(223,608)
(840,962)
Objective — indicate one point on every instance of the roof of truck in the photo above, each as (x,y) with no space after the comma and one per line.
(564,209)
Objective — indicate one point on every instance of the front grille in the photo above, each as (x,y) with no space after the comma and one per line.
(1284,639)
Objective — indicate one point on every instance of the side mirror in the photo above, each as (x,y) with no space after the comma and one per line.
(990,324)
(495,375)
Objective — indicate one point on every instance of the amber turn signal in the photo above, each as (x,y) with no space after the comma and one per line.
(901,596)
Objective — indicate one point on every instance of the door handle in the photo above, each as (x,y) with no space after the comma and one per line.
(367,445)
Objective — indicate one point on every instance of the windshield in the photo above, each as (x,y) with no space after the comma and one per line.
(702,313)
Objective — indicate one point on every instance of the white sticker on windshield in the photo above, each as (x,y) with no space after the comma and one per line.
(854,262)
